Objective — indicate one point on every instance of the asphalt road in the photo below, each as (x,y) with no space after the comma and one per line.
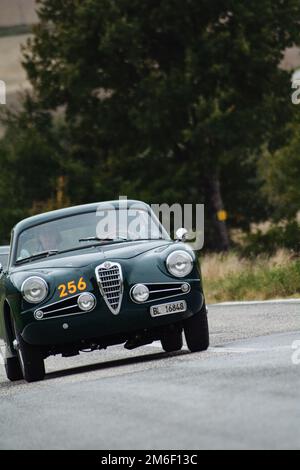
(242,393)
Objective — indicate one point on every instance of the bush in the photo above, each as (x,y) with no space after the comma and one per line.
(286,236)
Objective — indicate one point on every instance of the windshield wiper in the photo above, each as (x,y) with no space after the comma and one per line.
(91,245)
(41,254)
(89,239)
(147,239)
(118,239)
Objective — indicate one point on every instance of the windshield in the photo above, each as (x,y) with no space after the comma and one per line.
(87,229)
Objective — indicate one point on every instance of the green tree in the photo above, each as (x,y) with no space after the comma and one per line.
(159,96)
(280,170)
(30,159)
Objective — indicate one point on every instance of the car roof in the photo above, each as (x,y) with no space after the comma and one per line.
(69,211)
(4,250)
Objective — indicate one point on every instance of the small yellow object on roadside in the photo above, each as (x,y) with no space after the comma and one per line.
(222,215)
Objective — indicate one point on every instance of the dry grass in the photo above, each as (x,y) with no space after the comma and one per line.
(229,277)
(14,12)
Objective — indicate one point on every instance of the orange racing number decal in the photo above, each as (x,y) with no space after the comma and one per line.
(71,287)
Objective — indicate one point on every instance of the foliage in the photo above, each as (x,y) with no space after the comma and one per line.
(286,235)
(281,172)
(160,101)
(30,165)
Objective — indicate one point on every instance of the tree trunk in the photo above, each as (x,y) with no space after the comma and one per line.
(215,208)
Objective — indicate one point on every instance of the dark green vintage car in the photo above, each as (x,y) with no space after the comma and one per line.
(91,276)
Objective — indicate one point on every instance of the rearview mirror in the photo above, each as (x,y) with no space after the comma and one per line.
(181,234)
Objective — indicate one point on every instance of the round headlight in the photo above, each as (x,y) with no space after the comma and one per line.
(179,263)
(86,302)
(34,289)
(140,293)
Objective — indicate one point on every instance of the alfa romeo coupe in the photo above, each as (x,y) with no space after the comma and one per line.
(91,276)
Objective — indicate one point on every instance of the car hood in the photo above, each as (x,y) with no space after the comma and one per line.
(79,259)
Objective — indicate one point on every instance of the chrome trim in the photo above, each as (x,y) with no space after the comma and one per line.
(38,314)
(168,290)
(171,282)
(56,309)
(95,302)
(60,301)
(34,277)
(109,265)
(64,316)
(63,308)
(139,301)
(181,252)
(160,290)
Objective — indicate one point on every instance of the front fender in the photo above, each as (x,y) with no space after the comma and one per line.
(9,307)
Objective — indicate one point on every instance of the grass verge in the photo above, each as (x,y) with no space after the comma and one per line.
(229,277)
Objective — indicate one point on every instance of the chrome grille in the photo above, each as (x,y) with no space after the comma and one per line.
(110,281)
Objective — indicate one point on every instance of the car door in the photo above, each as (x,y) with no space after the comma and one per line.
(3,275)
(2,299)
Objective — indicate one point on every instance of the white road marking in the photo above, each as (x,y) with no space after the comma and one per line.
(242,350)
(155,344)
(256,302)
(224,348)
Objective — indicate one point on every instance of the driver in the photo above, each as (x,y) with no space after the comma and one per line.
(48,239)
(43,238)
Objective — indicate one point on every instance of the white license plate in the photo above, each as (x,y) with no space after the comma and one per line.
(166,309)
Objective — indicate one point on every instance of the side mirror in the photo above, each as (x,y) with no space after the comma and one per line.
(1,268)
(181,234)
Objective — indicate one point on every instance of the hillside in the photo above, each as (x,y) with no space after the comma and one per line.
(17,12)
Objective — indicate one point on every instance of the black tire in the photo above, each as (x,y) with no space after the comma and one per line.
(172,340)
(13,369)
(196,331)
(31,360)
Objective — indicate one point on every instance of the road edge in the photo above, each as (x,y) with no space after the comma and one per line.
(254,302)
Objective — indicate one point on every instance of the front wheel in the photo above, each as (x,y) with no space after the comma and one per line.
(13,369)
(196,331)
(30,358)
(171,340)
